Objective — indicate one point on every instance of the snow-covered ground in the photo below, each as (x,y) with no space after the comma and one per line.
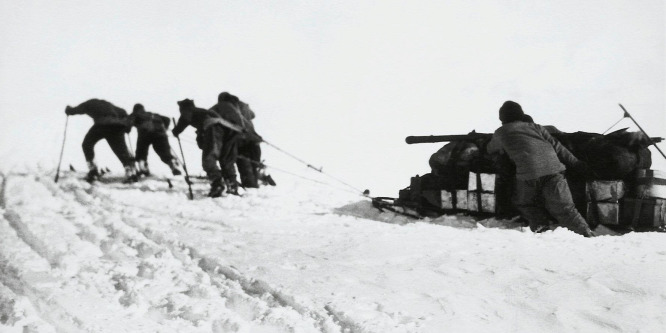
(301,257)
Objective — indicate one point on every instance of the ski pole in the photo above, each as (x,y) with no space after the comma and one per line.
(129,143)
(187,175)
(626,114)
(62,149)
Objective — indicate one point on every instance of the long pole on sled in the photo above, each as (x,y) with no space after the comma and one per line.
(187,175)
(62,149)
(626,114)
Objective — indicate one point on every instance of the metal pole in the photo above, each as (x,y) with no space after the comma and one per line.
(187,175)
(62,149)
(612,126)
(626,114)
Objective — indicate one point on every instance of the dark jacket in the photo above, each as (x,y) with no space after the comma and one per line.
(148,122)
(534,151)
(238,114)
(245,110)
(101,111)
(196,117)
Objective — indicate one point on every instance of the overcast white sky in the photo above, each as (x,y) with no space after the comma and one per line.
(338,83)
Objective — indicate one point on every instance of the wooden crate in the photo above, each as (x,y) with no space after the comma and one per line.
(651,184)
(604,190)
(603,213)
(649,212)
(432,197)
(454,199)
(487,201)
(484,182)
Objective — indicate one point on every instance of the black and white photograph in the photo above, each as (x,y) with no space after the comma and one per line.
(351,166)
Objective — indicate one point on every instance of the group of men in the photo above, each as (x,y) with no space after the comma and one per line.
(225,134)
(228,140)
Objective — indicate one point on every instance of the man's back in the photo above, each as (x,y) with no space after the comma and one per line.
(531,148)
(102,112)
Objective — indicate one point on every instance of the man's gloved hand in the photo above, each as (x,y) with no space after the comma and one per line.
(589,233)
(174,132)
(69,110)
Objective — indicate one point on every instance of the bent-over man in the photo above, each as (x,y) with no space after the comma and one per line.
(219,145)
(232,109)
(541,189)
(152,130)
(110,123)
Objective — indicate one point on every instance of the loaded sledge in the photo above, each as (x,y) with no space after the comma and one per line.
(621,191)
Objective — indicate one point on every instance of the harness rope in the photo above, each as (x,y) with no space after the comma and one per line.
(193,142)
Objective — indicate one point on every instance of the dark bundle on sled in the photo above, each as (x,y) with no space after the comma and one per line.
(465,179)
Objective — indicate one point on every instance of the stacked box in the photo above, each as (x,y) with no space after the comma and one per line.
(650,212)
(648,208)
(432,197)
(481,193)
(487,202)
(651,184)
(603,201)
(454,200)
(604,190)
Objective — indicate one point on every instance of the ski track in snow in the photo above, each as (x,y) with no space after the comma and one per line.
(116,244)
(111,257)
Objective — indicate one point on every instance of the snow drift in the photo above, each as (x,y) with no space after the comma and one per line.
(300,257)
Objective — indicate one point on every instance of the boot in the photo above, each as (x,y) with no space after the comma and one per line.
(264,178)
(93,173)
(232,186)
(216,188)
(130,175)
(268,180)
(142,169)
(175,169)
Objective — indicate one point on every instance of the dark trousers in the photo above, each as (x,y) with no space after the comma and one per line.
(160,143)
(542,199)
(114,135)
(220,145)
(248,166)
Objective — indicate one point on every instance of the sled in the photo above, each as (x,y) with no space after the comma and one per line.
(467,180)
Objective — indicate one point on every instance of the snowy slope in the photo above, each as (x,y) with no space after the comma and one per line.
(300,257)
